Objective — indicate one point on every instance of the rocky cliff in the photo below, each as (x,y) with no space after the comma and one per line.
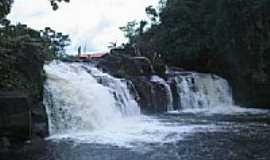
(152,95)
(23,116)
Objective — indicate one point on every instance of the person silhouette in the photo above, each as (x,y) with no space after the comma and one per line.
(79,51)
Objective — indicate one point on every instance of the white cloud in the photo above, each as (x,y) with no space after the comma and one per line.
(91,22)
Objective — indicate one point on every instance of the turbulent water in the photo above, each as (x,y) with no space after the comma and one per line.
(92,114)
(76,101)
(201,91)
(89,106)
(168,91)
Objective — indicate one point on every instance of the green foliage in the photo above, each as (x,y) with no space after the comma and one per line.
(5,6)
(195,33)
(49,43)
(55,42)
(130,31)
(12,37)
(23,51)
(152,13)
(227,37)
(54,3)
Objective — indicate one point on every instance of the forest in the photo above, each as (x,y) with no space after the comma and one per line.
(21,45)
(191,81)
(228,37)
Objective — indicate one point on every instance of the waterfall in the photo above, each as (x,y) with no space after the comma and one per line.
(191,91)
(168,91)
(87,106)
(119,88)
(197,91)
(80,97)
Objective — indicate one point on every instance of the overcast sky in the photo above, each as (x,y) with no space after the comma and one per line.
(91,22)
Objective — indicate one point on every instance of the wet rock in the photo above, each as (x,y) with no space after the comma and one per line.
(175,93)
(124,66)
(22,114)
(152,95)
(17,122)
(4,144)
(39,121)
(14,115)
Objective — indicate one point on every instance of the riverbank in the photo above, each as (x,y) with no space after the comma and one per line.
(243,137)
(154,88)
(22,114)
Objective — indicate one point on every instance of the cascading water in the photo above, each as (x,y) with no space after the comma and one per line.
(76,101)
(168,91)
(119,88)
(200,91)
(85,105)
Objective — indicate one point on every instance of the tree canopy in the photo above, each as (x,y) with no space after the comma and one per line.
(190,31)
(51,43)
(227,37)
(54,3)
(5,6)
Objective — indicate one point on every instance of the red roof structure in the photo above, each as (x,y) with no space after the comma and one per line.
(93,55)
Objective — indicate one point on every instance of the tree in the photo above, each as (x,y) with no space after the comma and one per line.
(112,45)
(227,37)
(152,14)
(130,31)
(54,3)
(55,42)
(5,6)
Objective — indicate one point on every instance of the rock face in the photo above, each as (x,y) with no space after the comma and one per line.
(21,91)
(250,93)
(20,120)
(193,90)
(175,90)
(124,66)
(15,115)
(151,95)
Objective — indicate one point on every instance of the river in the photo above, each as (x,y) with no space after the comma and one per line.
(93,116)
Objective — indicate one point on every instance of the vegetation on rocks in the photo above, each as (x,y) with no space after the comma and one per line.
(21,46)
(23,52)
(227,37)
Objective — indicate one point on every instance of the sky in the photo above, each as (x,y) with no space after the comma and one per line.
(90,23)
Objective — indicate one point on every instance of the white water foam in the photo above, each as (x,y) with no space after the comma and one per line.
(80,109)
(206,94)
(136,132)
(222,110)
(161,81)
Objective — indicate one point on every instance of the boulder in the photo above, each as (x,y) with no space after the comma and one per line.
(15,116)
(4,144)
(19,120)
(152,95)
(22,115)
(124,66)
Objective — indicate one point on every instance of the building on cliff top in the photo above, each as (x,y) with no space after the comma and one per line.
(92,55)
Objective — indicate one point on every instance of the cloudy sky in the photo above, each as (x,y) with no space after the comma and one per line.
(91,22)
